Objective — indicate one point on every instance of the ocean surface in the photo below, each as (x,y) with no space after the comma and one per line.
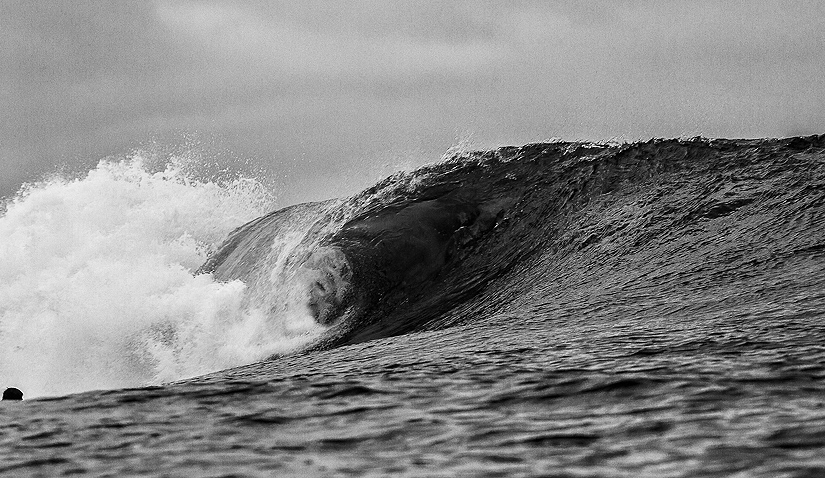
(558,309)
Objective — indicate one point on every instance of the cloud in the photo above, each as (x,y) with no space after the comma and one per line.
(274,46)
(314,87)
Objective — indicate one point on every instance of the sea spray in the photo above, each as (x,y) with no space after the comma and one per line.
(97,288)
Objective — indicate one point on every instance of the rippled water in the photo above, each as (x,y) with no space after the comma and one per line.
(671,328)
(521,395)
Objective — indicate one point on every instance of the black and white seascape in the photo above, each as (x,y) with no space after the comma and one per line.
(618,306)
(600,309)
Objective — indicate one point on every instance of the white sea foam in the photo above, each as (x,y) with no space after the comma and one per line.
(97,287)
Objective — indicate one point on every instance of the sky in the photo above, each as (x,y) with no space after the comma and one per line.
(326,97)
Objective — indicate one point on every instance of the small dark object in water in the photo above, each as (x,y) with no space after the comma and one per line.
(12,393)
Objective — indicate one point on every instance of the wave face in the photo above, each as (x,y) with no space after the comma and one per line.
(541,226)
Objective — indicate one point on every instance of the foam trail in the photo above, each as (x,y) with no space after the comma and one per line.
(97,289)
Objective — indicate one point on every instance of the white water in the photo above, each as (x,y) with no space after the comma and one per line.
(97,287)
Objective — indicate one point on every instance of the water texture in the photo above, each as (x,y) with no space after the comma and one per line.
(561,309)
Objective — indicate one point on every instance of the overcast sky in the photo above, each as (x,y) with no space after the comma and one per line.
(329,96)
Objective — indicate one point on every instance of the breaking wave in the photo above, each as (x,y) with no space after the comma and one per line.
(97,287)
(126,277)
(480,233)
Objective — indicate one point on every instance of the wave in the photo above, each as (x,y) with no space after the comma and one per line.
(467,239)
(559,229)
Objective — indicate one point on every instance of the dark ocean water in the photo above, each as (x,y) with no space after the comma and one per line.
(564,309)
